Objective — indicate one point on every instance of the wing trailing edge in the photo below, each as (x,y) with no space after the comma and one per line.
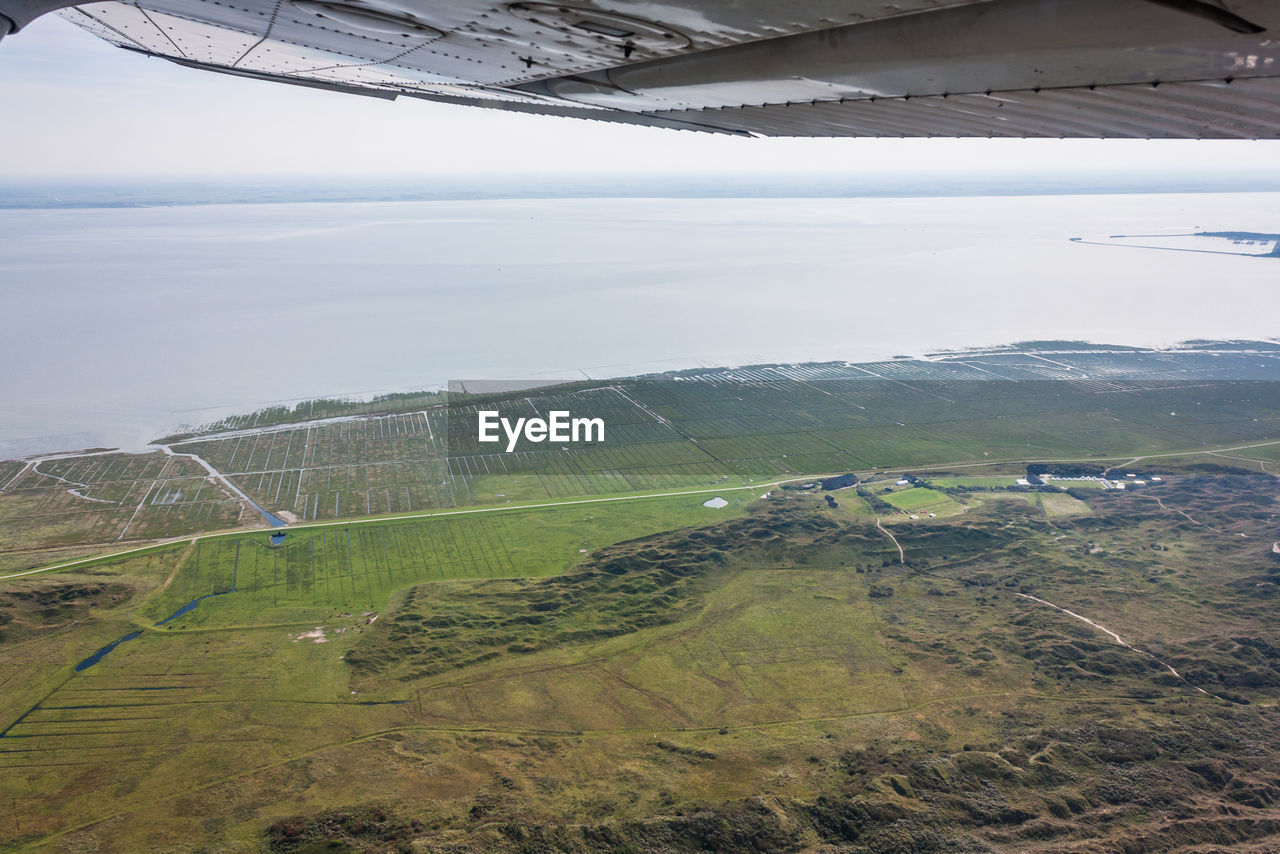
(1072,68)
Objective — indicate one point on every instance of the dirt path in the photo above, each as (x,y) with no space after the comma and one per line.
(1207,452)
(507,508)
(186,553)
(1191,518)
(225,482)
(1262,464)
(902,556)
(1117,639)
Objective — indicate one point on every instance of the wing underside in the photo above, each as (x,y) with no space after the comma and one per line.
(1017,68)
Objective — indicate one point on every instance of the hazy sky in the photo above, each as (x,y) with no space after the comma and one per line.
(76,106)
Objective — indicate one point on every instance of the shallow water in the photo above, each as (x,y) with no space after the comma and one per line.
(121,324)
(102,653)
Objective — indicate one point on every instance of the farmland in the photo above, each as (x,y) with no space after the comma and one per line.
(978,482)
(110,497)
(417,453)
(451,648)
(777,652)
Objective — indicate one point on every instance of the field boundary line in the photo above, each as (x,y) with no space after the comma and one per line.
(585,501)
(336,523)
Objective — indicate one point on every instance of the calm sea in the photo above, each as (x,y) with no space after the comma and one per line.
(122,323)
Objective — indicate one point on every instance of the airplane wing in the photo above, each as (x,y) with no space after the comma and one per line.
(951,68)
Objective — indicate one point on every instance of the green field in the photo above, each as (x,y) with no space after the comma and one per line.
(776,648)
(1061,504)
(543,653)
(919,499)
(316,571)
(416,453)
(978,481)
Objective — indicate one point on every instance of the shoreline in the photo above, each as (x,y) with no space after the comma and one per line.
(181,433)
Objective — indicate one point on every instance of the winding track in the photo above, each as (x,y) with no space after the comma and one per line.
(1118,640)
(902,556)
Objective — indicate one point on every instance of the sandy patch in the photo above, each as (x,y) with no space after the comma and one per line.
(316,635)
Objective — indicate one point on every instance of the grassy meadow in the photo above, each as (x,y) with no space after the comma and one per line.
(777,654)
(445,653)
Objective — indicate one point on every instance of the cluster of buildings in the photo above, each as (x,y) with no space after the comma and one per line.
(1129,479)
